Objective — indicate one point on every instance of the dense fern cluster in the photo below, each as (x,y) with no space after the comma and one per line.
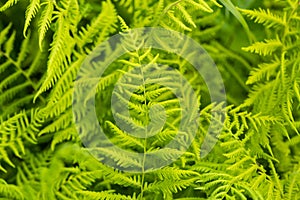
(254,133)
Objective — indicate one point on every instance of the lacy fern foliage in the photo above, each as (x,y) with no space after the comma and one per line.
(254,44)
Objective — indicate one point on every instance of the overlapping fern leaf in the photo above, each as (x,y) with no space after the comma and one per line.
(275,82)
(19,119)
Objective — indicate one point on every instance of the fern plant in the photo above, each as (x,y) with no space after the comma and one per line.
(43,154)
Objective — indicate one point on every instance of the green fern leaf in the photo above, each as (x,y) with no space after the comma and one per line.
(123,139)
(265,17)
(292,186)
(60,54)
(9,45)
(8,4)
(179,23)
(103,195)
(45,20)
(124,26)
(31,11)
(122,159)
(62,122)
(173,173)
(24,50)
(10,135)
(201,5)
(101,26)
(3,34)
(10,191)
(68,134)
(263,72)
(187,17)
(168,186)
(264,48)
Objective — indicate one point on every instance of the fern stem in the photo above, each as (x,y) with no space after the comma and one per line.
(33,85)
(146,130)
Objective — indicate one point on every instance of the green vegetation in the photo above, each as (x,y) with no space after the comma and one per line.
(255,45)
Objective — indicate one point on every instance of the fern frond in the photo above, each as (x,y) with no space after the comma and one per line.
(67,134)
(169,186)
(61,95)
(31,11)
(8,4)
(168,173)
(104,82)
(240,163)
(3,34)
(62,122)
(10,191)
(130,121)
(136,107)
(265,17)
(254,157)
(122,179)
(9,94)
(264,48)
(123,138)
(19,83)
(200,5)
(60,53)
(77,181)
(103,195)
(45,20)
(292,186)
(263,72)
(57,106)
(100,27)
(163,136)
(24,52)
(11,133)
(178,22)
(9,45)
(121,159)
(124,26)
(187,17)
(63,43)
(9,80)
